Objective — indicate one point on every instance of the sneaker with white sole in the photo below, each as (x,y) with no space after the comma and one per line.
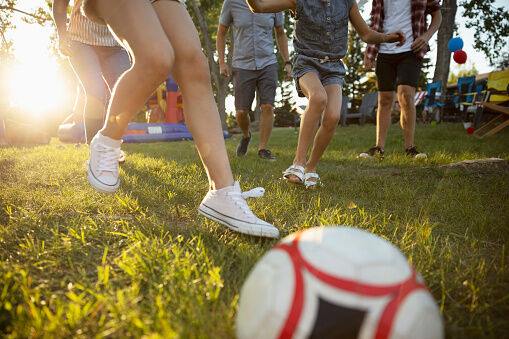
(228,207)
(414,153)
(102,170)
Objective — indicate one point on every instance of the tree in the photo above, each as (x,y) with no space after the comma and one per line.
(492,26)
(206,15)
(8,8)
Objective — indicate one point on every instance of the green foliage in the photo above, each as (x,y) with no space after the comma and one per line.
(143,263)
(463,71)
(491,26)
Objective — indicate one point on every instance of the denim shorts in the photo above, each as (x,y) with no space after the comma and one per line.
(329,72)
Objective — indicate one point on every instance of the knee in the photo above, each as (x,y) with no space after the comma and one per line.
(195,67)
(405,98)
(330,120)
(155,64)
(385,102)
(317,101)
(267,109)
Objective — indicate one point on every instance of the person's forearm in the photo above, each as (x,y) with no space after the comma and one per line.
(436,20)
(220,46)
(59,11)
(282,45)
(373,37)
(270,6)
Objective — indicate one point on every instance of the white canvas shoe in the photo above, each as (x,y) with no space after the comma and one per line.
(102,170)
(228,206)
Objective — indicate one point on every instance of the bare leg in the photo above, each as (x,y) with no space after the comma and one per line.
(153,59)
(242,116)
(327,128)
(266,123)
(193,76)
(385,102)
(406,95)
(317,96)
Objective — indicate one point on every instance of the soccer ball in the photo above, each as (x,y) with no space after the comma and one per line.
(336,282)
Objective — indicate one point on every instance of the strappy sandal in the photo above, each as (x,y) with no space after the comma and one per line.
(296,170)
(312,184)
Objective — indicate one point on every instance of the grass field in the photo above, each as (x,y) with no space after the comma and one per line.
(142,262)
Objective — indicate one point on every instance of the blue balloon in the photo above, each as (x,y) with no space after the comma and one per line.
(455,44)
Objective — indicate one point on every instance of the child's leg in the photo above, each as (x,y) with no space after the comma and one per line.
(326,131)
(135,23)
(317,96)
(87,66)
(193,76)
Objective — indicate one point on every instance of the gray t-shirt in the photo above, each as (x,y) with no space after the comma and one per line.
(252,34)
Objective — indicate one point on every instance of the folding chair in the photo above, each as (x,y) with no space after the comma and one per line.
(432,105)
(464,98)
(496,101)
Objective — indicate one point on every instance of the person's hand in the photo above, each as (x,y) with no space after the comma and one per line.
(368,63)
(288,70)
(64,45)
(395,37)
(223,69)
(421,43)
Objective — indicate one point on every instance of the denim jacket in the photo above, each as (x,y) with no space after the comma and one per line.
(321,28)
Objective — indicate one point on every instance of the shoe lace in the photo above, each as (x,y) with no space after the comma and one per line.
(238,197)
(107,160)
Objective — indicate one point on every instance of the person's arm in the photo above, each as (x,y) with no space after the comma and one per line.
(370,36)
(220,46)
(271,6)
(282,45)
(422,42)
(59,11)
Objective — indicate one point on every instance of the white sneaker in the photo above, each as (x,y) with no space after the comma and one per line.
(228,207)
(102,170)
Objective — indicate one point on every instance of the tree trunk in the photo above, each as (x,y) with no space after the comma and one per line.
(445,33)
(220,81)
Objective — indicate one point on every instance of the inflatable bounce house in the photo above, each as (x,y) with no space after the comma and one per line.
(164,115)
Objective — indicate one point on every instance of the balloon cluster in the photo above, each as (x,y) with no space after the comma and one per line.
(455,46)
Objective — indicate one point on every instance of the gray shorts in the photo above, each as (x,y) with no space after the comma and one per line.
(329,72)
(246,82)
(88,10)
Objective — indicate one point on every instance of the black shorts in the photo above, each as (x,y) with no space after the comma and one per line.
(397,69)
(246,82)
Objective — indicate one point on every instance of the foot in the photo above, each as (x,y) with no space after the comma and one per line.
(372,152)
(228,207)
(242,147)
(312,180)
(414,153)
(265,154)
(121,157)
(102,170)
(294,174)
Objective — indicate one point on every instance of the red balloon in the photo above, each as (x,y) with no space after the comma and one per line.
(460,56)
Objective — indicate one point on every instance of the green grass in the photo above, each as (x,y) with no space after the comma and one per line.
(142,262)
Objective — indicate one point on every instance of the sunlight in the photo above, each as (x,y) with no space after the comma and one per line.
(35,81)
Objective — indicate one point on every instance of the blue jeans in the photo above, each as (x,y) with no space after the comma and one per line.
(98,68)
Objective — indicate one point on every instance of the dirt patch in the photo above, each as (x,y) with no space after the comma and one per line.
(488,165)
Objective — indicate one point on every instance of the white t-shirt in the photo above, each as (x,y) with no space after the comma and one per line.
(397,16)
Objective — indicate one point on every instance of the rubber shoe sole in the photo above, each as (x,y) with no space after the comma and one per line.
(240,226)
(100,186)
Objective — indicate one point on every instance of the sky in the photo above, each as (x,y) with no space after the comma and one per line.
(32,41)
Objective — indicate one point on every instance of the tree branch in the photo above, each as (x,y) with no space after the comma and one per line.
(13,9)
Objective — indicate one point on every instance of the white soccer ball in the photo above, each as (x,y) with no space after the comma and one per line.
(336,282)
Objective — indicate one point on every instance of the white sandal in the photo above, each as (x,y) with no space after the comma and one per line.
(296,170)
(310,184)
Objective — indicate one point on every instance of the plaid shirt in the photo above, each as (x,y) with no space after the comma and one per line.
(419,8)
